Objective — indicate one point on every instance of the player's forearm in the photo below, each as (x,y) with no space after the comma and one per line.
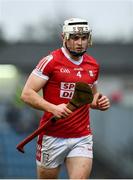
(100,102)
(94,104)
(33,99)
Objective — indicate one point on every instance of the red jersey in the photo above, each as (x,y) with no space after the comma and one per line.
(62,73)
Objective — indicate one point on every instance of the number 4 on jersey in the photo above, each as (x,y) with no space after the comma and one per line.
(79,74)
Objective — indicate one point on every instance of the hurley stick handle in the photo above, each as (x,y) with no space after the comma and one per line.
(70,106)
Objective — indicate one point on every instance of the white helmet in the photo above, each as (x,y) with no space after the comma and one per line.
(76,25)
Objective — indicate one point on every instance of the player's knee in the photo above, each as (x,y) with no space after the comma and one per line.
(79,176)
(44,173)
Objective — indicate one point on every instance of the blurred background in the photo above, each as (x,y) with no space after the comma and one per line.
(29,30)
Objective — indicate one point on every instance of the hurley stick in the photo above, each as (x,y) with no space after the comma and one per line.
(82,95)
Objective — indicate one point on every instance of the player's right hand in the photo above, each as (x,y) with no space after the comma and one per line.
(60,111)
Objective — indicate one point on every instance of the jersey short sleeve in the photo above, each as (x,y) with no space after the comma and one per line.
(44,68)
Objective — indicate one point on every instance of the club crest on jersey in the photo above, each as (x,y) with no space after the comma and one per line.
(91,73)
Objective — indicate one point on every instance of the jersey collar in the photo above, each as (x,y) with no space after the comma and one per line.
(70,59)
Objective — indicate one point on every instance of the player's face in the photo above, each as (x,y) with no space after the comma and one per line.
(78,42)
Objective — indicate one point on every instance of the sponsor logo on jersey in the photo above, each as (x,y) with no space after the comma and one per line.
(64,70)
(78,69)
(67,90)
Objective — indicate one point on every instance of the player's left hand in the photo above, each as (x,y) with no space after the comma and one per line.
(103,102)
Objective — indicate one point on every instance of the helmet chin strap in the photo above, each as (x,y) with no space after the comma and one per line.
(73,53)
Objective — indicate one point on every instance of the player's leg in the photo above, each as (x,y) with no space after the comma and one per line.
(51,153)
(47,173)
(79,160)
(79,167)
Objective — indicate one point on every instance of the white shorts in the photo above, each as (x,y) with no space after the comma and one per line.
(53,151)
